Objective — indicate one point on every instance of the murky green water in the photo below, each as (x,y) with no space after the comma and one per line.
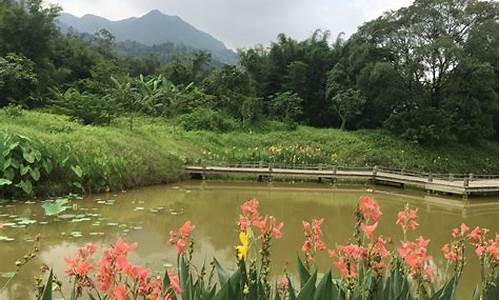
(147,215)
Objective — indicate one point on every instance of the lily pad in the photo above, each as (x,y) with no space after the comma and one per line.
(56,207)
(8,274)
(76,234)
(25,221)
(81,220)
(139,208)
(6,238)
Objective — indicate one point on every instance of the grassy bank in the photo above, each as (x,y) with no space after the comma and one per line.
(100,158)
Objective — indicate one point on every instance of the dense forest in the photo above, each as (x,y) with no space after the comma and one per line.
(428,72)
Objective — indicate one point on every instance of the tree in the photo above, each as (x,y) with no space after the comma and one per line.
(17,79)
(348,104)
(286,107)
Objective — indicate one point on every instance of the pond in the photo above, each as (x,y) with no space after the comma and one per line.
(147,215)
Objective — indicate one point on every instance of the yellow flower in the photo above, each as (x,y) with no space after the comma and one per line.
(243,248)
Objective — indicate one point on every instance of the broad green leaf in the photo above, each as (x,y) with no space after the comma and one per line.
(29,156)
(26,186)
(303,272)
(325,290)
(77,170)
(308,290)
(35,173)
(4,181)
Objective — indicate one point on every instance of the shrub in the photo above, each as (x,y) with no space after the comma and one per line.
(13,111)
(207,119)
(85,108)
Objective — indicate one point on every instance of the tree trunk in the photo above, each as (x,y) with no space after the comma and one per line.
(342,124)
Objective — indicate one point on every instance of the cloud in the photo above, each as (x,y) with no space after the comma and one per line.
(244,23)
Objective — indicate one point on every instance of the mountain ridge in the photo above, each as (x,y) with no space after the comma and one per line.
(153,28)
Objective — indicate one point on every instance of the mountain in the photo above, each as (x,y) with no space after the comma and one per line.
(154,28)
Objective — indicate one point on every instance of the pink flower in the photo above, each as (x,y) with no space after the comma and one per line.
(122,248)
(77,266)
(407,219)
(368,229)
(283,286)
(492,249)
(414,254)
(348,258)
(181,238)
(174,283)
(450,255)
(120,292)
(277,230)
(460,232)
(185,230)
(313,242)
(369,208)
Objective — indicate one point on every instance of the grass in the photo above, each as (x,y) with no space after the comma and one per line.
(116,158)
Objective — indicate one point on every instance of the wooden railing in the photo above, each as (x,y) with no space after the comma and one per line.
(466,177)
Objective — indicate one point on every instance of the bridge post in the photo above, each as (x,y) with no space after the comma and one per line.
(450,177)
(374,172)
(271,171)
(261,163)
(429,177)
(204,166)
(334,174)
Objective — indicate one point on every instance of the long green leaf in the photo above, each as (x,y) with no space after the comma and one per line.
(221,273)
(47,291)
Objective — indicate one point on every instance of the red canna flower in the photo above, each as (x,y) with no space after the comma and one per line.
(181,238)
(313,242)
(368,229)
(414,254)
(450,255)
(460,232)
(369,208)
(120,292)
(122,248)
(349,257)
(174,282)
(407,219)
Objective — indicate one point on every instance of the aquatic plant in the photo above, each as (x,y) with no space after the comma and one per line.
(368,268)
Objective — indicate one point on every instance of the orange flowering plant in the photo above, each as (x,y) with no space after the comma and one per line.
(368,268)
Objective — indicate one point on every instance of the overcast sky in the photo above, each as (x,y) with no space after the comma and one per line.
(245,23)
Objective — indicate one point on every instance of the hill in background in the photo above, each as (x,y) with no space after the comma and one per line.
(150,30)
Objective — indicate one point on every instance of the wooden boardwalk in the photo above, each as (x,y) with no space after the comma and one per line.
(461,184)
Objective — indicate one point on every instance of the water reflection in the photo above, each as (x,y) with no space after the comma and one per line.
(147,215)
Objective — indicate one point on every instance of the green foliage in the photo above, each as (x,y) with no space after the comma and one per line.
(23,163)
(17,79)
(207,119)
(286,107)
(84,107)
(13,111)
(347,103)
